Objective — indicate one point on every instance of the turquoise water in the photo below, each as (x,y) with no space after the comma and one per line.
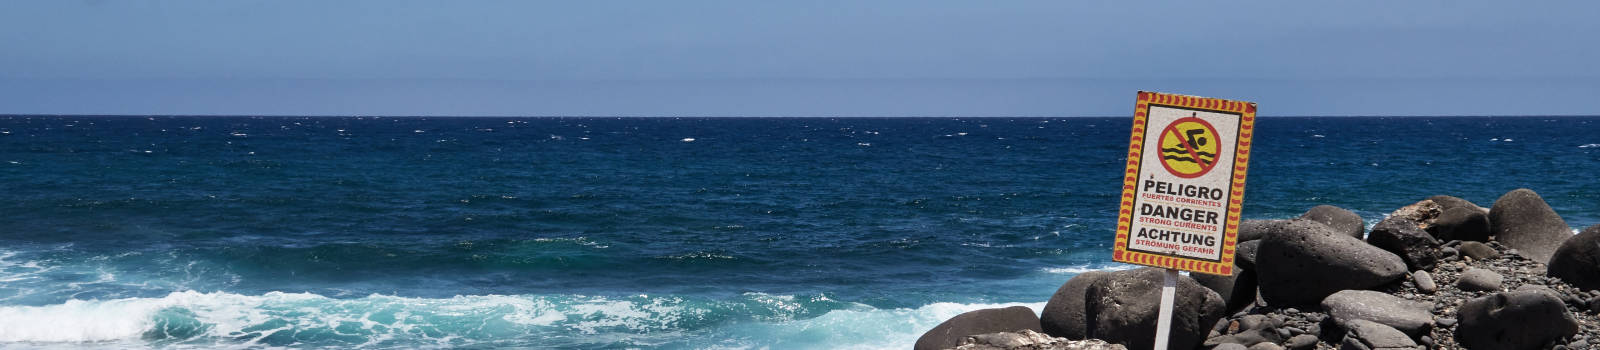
(324,232)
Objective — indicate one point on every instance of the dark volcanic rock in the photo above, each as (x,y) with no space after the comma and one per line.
(1513,320)
(1478,251)
(1030,340)
(1251,230)
(1246,337)
(949,334)
(1301,342)
(1244,254)
(1402,237)
(1521,220)
(1451,202)
(1342,221)
(1237,290)
(1303,262)
(1479,280)
(1063,314)
(1578,260)
(1424,281)
(1422,213)
(1230,346)
(1122,309)
(1410,317)
(1366,335)
(1461,223)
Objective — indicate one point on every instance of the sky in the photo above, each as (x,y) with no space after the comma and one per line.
(794,58)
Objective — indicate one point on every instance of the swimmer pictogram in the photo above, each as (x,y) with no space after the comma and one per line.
(1189,147)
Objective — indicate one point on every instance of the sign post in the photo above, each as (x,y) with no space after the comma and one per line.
(1183,188)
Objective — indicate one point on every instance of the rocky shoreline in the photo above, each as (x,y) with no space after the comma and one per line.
(1443,273)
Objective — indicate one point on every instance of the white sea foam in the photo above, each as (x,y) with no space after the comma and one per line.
(1592,145)
(858,327)
(379,317)
(255,321)
(1088,267)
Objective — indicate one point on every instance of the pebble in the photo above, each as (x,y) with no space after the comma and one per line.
(1446,322)
(1424,282)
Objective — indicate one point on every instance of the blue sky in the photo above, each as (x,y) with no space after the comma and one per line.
(799,58)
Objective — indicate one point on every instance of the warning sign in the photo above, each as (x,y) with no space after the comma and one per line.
(1185,182)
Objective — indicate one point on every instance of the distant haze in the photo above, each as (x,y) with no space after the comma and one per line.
(800,58)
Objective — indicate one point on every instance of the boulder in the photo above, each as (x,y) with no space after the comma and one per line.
(1460,223)
(1122,308)
(1250,230)
(1422,212)
(1411,317)
(1424,281)
(1402,237)
(1479,280)
(1304,261)
(1063,314)
(949,334)
(1521,220)
(1028,339)
(1366,335)
(1244,254)
(1513,320)
(1452,202)
(1577,261)
(1342,221)
(1478,251)
(1237,290)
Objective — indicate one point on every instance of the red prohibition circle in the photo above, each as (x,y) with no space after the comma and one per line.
(1204,168)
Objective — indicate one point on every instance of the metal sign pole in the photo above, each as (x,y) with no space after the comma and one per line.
(1169,291)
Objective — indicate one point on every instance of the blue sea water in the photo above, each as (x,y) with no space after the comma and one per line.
(782,233)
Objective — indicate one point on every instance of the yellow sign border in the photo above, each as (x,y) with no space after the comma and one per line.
(1241,156)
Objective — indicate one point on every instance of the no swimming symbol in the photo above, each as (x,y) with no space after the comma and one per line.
(1189,147)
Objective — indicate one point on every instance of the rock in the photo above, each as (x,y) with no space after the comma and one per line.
(1479,280)
(1577,261)
(1402,237)
(1031,340)
(1446,322)
(1364,334)
(1478,251)
(1448,253)
(1422,213)
(1265,346)
(1521,220)
(1251,230)
(1341,220)
(1063,315)
(1303,262)
(1230,346)
(1246,338)
(1450,202)
(1513,320)
(1410,317)
(1244,254)
(949,334)
(1237,290)
(1121,308)
(1466,224)
(1424,281)
(1301,342)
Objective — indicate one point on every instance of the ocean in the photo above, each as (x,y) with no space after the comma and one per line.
(611,233)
